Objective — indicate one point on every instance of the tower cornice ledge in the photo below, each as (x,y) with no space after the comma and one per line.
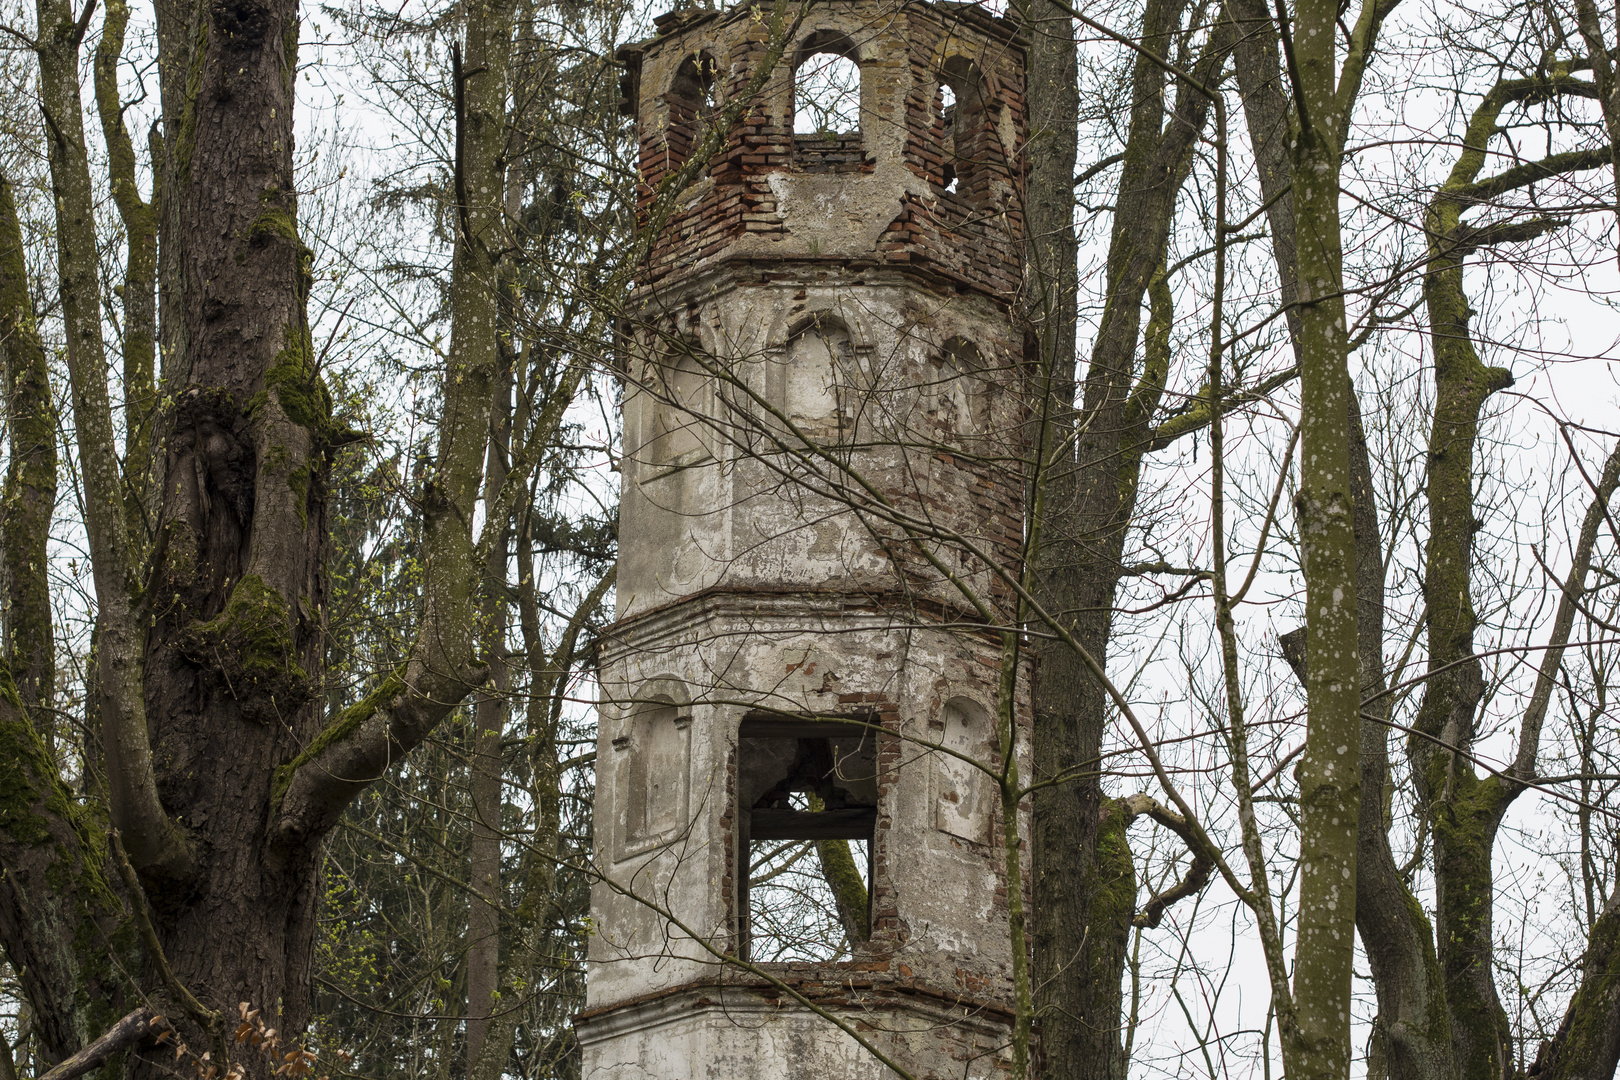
(854,610)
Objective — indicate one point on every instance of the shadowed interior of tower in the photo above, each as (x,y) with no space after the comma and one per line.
(807,808)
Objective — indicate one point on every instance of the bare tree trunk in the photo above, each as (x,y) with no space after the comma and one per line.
(484,854)
(139,290)
(1082,907)
(1064,825)
(1316,1031)
(53,849)
(30,486)
(1395,932)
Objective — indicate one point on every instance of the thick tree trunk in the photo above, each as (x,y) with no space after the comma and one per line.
(232,608)
(233,656)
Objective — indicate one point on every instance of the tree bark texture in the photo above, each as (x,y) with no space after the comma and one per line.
(1316,1037)
(1464,812)
(65,932)
(1084,901)
(1464,808)
(233,651)
(1063,838)
(29,497)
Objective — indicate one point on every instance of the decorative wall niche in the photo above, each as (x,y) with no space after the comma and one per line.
(678,404)
(962,401)
(963,795)
(652,755)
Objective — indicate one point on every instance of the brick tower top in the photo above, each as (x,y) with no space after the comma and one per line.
(930,179)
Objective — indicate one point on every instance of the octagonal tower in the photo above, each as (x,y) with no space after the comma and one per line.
(822,497)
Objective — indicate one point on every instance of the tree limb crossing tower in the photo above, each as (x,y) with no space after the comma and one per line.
(822,511)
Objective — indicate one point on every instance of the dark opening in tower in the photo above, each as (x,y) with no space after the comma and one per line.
(807,808)
(968,134)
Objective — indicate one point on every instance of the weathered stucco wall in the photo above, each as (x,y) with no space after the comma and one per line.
(745,501)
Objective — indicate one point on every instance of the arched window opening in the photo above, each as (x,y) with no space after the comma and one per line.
(692,103)
(945,108)
(969,141)
(827,104)
(679,392)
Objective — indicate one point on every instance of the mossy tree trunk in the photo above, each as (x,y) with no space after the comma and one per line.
(1395,931)
(1314,1021)
(1465,813)
(1465,809)
(233,652)
(53,850)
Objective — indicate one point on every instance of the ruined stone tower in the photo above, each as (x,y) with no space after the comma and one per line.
(823,428)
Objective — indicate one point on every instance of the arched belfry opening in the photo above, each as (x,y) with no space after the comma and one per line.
(692,100)
(798,710)
(967,131)
(826,111)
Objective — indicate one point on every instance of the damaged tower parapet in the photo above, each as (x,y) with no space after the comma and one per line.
(824,424)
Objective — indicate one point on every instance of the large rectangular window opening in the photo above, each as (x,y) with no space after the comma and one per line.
(807,808)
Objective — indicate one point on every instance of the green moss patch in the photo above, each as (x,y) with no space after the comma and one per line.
(298,387)
(340,728)
(249,645)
